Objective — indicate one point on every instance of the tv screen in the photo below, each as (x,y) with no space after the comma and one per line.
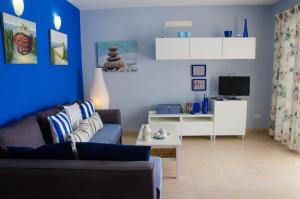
(234,86)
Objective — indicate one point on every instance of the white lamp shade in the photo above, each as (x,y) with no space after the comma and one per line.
(99,93)
(57,22)
(18,7)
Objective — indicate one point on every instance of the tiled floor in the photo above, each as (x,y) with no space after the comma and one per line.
(231,168)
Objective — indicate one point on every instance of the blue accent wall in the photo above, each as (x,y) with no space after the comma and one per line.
(170,81)
(25,89)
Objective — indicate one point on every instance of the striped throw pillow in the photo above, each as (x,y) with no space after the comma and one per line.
(96,122)
(83,133)
(60,126)
(87,109)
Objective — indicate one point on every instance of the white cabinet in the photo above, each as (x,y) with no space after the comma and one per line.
(206,48)
(172,48)
(239,48)
(229,117)
(190,125)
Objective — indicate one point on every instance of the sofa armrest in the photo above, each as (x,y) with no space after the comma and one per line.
(49,179)
(110,116)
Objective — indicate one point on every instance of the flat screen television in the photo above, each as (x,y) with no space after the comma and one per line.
(234,86)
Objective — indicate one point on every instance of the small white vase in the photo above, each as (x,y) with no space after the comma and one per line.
(146,132)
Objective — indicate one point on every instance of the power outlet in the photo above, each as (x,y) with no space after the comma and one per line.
(257,116)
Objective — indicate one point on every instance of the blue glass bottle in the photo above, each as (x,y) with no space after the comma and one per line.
(246,34)
(205,105)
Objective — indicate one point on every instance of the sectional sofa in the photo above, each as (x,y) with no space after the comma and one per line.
(48,179)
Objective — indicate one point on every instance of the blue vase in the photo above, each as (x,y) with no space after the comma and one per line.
(196,108)
(246,29)
(205,105)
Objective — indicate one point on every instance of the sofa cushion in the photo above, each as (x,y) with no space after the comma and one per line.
(61,151)
(96,122)
(60,127)
(44,124)
(83,133)
(24,133)
(112,152)
(109,134)
(87,109)
(16,152)
(74,113)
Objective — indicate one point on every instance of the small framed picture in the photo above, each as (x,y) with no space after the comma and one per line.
(199,70)
(199,84)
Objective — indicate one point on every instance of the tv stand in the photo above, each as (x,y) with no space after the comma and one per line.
(233,98)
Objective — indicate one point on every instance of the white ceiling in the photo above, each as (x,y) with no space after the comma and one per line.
(104,4)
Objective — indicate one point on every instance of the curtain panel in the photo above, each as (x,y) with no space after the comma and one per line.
(285,110)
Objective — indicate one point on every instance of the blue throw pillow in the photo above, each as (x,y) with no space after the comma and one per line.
(61,151)
(112,152)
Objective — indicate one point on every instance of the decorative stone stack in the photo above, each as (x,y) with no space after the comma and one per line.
(114,61)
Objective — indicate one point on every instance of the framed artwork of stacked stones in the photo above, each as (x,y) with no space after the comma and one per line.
(117,56)
(19,38)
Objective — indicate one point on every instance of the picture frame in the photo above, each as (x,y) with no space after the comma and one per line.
(198,70)
(199,84)
(58,48)
(117,56)
(19,40)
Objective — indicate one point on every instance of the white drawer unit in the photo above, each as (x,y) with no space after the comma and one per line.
(206,48)
(172,48)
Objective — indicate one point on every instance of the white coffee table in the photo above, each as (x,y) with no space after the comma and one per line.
(173,141)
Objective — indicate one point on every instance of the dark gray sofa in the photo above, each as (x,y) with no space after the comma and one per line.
(35,179)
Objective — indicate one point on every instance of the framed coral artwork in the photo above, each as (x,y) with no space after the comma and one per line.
(199,84)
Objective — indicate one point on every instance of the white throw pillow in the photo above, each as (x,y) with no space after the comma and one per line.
(74,114)
(83,133)
(96,122)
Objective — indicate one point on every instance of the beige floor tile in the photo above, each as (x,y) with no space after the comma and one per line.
(212,182)
(250,182)
(236,165)
(214,195)
(182,195)
(183,184)
(265,194)
(289,194)
(200,166)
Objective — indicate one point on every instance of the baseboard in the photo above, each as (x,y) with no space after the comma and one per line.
(130,132)
(259,130)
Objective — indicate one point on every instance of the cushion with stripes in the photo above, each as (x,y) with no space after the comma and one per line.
(60,126)
(96,122)
(87,109)
(83,133)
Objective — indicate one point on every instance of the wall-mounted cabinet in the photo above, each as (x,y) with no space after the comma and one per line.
(172,48)
(205,48)
(239,48)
